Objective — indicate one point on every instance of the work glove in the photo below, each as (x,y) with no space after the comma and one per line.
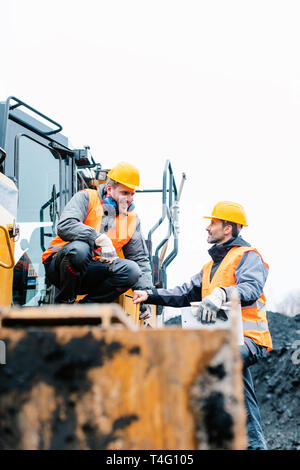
(108,253)
(210,305)
(145,312)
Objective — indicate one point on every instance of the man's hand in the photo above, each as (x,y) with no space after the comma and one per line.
(210,305)
(108,253)
(139,296)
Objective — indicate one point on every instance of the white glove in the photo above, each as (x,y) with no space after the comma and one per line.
(108,253)
(210,305)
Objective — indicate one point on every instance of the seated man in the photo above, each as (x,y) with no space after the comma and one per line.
(94,226)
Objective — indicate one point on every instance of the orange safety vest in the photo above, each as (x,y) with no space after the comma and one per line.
(120,233)
(254,317)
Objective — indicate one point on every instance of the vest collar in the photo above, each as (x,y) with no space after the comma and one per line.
(218,252)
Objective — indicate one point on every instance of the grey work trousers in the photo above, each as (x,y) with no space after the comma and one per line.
(251,353)
(73,271)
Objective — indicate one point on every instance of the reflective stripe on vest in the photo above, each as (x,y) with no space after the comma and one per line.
(255,324)
(120,233)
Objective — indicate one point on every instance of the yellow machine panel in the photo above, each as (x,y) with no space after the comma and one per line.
(8,204)
(133,311)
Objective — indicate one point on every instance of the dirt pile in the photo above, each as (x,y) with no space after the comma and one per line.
(277,384)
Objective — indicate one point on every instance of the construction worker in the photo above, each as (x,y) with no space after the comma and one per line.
(234,264)
(94,226)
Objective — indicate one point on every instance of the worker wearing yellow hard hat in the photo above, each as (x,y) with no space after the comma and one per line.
(126,174)
(230,211)
(93,228)
(234,265)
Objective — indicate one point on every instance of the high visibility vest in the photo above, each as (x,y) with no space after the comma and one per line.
(120,233)
(254,317)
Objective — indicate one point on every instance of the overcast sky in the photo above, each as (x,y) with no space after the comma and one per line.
(214,86)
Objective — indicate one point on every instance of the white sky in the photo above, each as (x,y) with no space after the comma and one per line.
(212,85)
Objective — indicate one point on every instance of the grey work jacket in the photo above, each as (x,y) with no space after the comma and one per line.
(250,274)
(71,227)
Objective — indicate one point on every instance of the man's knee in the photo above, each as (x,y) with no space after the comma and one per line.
(78,253)
(128,270)
(251,352)
(134,273)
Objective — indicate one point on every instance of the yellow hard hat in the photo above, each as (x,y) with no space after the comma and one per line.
(126,174)
(230,211)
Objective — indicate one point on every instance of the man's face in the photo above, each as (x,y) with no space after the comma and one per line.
(217,233)
(122,195)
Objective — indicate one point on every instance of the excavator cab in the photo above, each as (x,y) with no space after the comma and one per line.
(39,162)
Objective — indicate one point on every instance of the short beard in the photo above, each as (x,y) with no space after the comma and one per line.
(214,241)
(122,206)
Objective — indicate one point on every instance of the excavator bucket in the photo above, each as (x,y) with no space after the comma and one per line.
(84,377)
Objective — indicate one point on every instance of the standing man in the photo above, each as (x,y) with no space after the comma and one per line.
(234,264)
(94,226)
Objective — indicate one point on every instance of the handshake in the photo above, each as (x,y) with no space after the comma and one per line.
(108,253)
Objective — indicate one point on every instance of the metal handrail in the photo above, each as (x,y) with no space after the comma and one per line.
(51,201)
(169,186)
(167,168)
(161,244)
(3,265)
(28,124)
(174,227)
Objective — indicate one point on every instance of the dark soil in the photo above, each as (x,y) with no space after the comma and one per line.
(277,384)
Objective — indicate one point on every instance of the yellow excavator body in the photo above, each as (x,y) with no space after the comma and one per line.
(7,223)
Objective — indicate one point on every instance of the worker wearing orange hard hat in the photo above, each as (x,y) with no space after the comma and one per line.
(235,264)
(94,226)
